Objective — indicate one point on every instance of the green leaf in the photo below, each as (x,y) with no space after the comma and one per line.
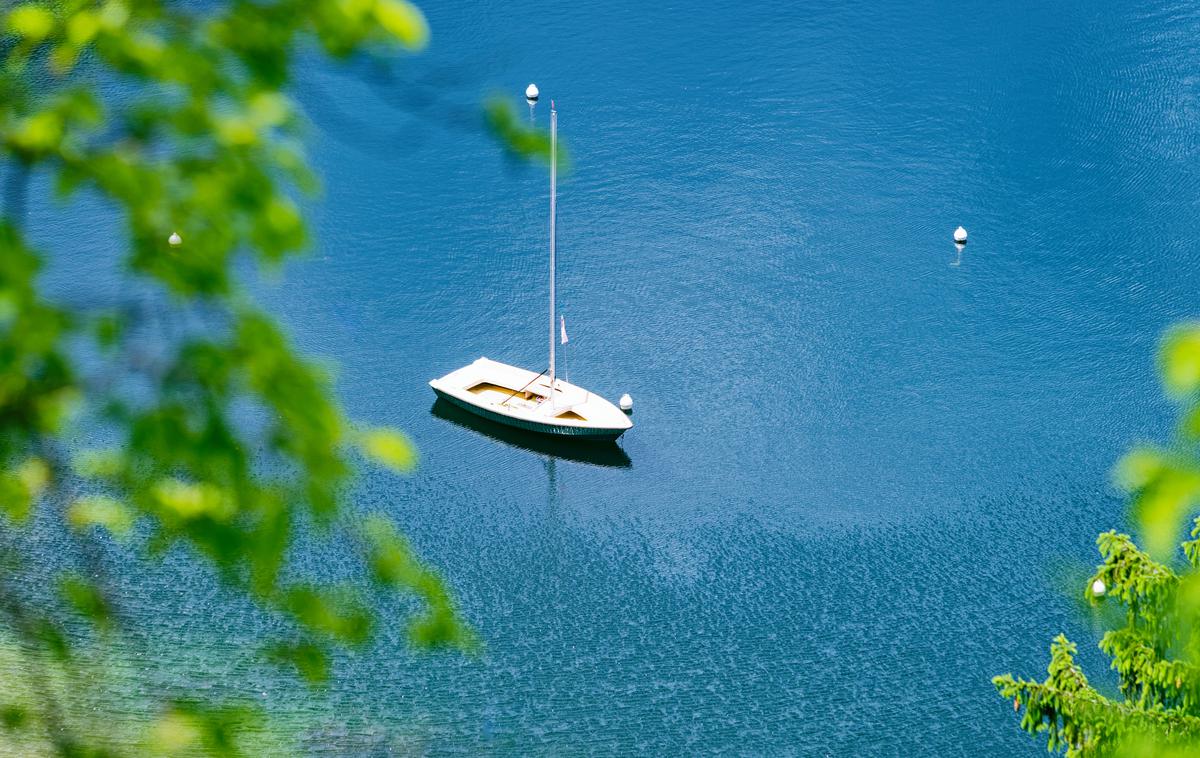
(308,658)
(522,141)
(389,555)
(101,464)
(32,22)
(335,613)
(52,638)
(394,564)
(1163,505)
(82,27)
(1139,468)
(13,717)
(187,500)
(86,598)
(20,488)
(1180,360)
(40,132)
(404,21)
(175,732)
(389,447)
(108,330)
(193,728)
(102,511)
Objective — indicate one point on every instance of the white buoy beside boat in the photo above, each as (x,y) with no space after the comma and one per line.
(532,94)
(626,403)
(960,236)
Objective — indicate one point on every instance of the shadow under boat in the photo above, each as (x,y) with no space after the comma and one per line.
(592,452)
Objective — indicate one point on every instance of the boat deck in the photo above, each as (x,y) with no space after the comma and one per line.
(510,396)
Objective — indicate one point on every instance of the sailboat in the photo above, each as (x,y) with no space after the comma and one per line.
(534,401)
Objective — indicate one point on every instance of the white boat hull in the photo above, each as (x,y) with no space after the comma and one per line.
(522,399)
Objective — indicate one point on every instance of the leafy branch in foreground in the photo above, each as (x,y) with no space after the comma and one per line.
(196,428)
(1153,596)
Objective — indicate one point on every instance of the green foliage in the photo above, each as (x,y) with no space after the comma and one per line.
(87,599)
(394,565)
(101,511)
(232,442)
(191,728)
(308,658)
(1155,596)
(518,139)
(389,448)
(13,717)
(1181,361)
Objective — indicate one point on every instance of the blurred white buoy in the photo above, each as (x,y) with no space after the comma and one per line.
(626,403)
(1098,588)
(531,93)
(960,236)
(175,240)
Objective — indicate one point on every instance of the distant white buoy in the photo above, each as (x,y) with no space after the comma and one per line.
(175,240)
(626,403)
(1098,588)
(960,236)
(531,93)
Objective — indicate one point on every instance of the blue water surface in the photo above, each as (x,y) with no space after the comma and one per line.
(863,460)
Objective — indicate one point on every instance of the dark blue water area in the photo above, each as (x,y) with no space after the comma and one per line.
(865,464)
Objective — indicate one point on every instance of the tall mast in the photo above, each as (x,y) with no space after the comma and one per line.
(553,200)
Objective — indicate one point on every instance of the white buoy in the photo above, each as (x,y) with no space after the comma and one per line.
(531,93)
(960,236)
(1098,588)
(175,240)
(626,403)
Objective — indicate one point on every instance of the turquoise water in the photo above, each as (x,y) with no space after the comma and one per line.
(863,461)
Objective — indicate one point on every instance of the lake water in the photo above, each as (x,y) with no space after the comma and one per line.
(863,461)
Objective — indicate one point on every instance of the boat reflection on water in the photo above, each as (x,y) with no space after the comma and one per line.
(580,451)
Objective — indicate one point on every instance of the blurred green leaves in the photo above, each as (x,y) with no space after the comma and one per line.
(390,448)
(105,512)
(403,21)
(1165,481)
(86,598)
(394,565)
(1166,489)
(31,22)
(520,140)
(13,717)
(231,443)
(192,728)
(308,658)
(1180,360)
(20,487)
(336,612)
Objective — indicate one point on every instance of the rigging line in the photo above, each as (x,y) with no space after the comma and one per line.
(531,381)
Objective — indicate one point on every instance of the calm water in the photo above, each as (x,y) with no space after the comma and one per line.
(862,460)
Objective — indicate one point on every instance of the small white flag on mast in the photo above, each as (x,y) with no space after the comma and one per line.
(563,324)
